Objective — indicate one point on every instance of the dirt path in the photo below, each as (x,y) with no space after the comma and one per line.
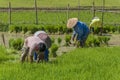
(115,40)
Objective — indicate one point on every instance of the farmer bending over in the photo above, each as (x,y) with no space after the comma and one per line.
(95,23)
(44,36)
(80,30)
(33,44)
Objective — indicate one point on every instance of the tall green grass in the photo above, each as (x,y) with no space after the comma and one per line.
(80,64)
(4,55)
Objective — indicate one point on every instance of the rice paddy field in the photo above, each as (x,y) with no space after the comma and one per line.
(90,63)
(100,63)
(58,16)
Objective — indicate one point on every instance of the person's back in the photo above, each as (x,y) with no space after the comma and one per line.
(83,27)
(81,30)
(32,41)
(44,36)
(32,44)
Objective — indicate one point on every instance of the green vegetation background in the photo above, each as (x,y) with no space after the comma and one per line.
(57,3)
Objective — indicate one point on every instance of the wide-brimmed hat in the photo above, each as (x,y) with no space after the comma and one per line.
(72,22)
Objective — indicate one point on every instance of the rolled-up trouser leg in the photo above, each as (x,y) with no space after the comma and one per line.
(24,54)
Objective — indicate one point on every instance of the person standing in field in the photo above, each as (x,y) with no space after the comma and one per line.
(44,36)
(95,23)
(80,30)
(33,44)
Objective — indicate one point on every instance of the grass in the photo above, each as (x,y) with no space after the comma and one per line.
(3,54)
(56,3)
(56,17)
(100,63)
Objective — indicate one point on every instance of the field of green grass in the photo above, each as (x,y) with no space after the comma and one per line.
(99,63)
(57,3)
(56,18)
(102,63)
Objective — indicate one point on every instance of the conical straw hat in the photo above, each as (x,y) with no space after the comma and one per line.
(72,22)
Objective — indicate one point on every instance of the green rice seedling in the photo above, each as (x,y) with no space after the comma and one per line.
(52,40)
(89,41)
(11,42)
(106,39)
(60,29)
(3,27)
(67,40)
(96,42)
(100,39)
(59,40)
(24,29)
(16,43)
(53,49)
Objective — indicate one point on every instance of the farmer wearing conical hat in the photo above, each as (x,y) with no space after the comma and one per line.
(44,36)
(33,44)
(96,22)
(80,29)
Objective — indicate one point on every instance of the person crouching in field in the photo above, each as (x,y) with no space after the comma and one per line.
(33,44)
(44,36)
(95,23)
(80,30)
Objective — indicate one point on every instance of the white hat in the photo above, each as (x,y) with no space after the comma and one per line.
(39,32)
(72,22)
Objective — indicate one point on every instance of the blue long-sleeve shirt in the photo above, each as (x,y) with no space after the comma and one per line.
(81,30)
